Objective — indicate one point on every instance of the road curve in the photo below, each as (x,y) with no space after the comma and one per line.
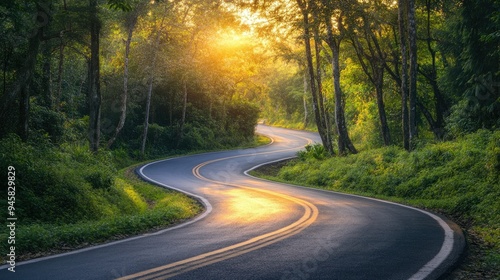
(255,229)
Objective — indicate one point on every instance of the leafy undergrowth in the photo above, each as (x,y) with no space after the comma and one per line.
(143,207)
(458,178)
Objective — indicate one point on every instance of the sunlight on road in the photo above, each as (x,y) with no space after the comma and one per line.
(249,207)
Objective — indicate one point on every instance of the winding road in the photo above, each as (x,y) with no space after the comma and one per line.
(256,229)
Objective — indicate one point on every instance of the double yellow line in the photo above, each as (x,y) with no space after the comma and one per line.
(163,272)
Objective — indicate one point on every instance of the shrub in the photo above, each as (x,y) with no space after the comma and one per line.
(243,117)
(314,151)
(47,121)
(99,178)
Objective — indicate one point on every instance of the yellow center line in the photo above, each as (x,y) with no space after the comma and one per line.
(310,215)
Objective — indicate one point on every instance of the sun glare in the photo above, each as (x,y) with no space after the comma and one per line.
(250,19)
(232,38)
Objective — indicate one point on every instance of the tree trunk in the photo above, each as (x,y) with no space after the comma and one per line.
(60,69)
(24,109)
(376,76)
(384,127)
(48,99)
(404,73)
(184,110)
(412,34)
(304,99)
(124,95)
(155,46)
(312,78)
(94,90)
(435,128)
(23,79)
(344,141)
(441,106)
(146,114)
(323,112)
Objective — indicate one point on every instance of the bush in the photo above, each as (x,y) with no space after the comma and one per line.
(56,184)
(314,151)
(99,178)
(47,121)
(242,117)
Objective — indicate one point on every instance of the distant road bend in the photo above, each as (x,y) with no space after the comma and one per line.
(255,229)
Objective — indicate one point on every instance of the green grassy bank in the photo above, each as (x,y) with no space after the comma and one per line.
(458,178)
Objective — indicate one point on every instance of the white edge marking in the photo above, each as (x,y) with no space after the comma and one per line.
(204,201)
(430,266)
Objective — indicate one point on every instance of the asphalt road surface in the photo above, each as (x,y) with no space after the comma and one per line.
(255,229)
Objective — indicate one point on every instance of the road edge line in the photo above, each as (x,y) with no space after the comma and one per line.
(202,200)
(441,264)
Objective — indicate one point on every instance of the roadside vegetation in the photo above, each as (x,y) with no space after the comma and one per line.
(460,179)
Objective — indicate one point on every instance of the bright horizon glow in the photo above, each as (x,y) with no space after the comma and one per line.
(250,18)
(231,37)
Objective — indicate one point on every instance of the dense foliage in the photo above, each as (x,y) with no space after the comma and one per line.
(174,66)
(457,78)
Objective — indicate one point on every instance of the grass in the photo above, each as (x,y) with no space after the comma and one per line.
(155,208)
(458,178)
(283,123)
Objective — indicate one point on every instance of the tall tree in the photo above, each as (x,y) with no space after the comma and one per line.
(155,44)
(470,43)
(402,24)
(372,59)
(325,118)
(94,86)
(412,38)
(20,87)
(344,141)
(430,72)
(306,25)
(130,23)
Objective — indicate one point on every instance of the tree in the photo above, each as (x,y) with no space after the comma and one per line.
(470,45)
(20,88)
(154,45)
(405,93)
(412,38)
(316,95)
(371,57)
(344,141)
(130,24)
(430,73)
(94,86)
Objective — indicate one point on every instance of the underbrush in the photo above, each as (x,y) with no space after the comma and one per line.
(457,178)
(75,200)
(145,208)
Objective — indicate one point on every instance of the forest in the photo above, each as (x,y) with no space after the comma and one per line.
(91,87)
(159,76)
